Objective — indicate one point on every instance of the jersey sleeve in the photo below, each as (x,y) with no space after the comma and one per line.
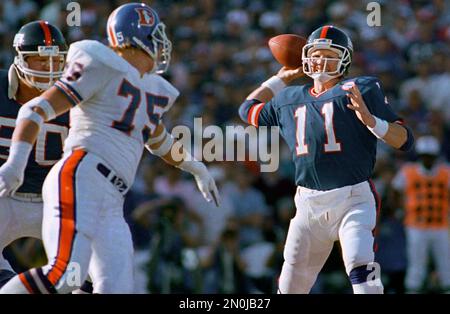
(161,102)
(258,113)
(172,94)
(83,76)
(267,115)
(378,104)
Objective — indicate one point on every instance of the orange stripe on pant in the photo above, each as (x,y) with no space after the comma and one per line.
(67,201)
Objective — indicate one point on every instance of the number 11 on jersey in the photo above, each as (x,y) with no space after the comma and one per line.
(331,144)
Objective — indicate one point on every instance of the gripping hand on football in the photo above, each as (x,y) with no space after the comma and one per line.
(288,75)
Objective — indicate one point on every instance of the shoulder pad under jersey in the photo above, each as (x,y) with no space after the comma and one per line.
(99,52)
(164,84)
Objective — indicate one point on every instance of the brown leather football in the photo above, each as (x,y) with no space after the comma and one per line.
(287,49)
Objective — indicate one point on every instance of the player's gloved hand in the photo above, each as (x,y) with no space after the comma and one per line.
(12,171)
(205,181)
(10,179)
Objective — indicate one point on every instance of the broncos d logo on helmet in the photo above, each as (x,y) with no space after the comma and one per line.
(138,25)
(146,17)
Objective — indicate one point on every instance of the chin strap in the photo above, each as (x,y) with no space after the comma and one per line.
(323,77)
(13,82)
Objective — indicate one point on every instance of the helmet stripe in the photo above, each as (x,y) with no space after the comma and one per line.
(111,32)
(323,33)
(112,36)
(47,33)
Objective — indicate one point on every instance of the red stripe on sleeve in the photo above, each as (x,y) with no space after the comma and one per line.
(258,110)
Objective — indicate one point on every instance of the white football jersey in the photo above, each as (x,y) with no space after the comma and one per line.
(114,107)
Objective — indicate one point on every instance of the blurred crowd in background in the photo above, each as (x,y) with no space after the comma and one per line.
(220,54)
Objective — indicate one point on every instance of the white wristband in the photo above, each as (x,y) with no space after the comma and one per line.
(380,129)
(275,84)
(164,147)
(157,139)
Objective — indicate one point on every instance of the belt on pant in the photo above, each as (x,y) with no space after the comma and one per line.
(118,182)
(27,197)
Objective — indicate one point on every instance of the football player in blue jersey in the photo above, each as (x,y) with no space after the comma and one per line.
(40,56)
(331,127)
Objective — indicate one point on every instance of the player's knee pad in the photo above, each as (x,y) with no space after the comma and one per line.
(355,257)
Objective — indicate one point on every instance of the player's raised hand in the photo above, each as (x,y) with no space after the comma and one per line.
(358,105)
(288,75)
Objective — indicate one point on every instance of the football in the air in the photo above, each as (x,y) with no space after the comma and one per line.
(287,49)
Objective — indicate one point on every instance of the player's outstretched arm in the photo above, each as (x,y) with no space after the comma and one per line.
(161,143)
(29,120)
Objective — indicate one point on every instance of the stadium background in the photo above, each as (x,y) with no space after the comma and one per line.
(220,54)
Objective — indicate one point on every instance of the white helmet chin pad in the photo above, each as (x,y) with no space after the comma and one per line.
(323,77)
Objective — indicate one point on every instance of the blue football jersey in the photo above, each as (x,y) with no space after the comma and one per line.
(330,146)
(49,145)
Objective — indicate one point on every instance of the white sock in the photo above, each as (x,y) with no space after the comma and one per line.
(369,287)
(14,286)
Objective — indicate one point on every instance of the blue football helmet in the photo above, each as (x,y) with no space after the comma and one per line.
(40,38)
(138,25)
(332,38)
